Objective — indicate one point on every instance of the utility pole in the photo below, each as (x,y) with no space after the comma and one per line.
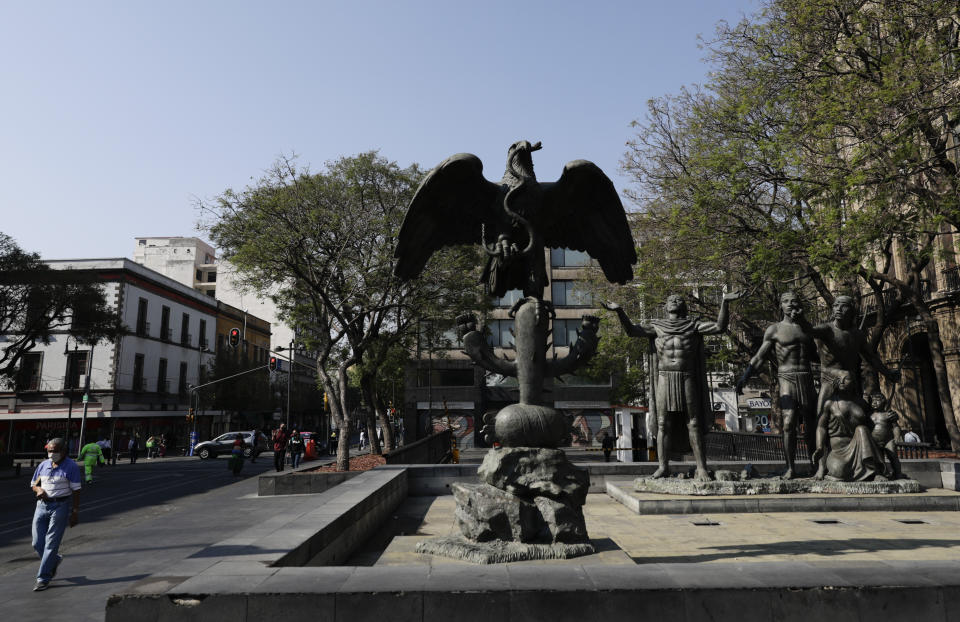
(86,397)
(289,382)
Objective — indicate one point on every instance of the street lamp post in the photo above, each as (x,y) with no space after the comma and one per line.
(86,396)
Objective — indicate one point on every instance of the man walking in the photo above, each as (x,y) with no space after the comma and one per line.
(55,482)
(280,438)
(90,454)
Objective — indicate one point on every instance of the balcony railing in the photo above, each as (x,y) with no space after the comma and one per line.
(951,279)
(139,383)
(163,387)
(29,384)
(143,329)
(186,339)
(166,334)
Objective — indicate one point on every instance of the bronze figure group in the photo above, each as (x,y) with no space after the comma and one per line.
(849,439)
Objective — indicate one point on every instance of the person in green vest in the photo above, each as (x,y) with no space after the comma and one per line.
(90,455)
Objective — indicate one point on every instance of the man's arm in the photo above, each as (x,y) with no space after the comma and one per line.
(631,329)
(871,357)
(723,317)
(757,359)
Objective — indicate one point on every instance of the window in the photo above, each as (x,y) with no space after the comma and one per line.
(200,275)
(28,376)
(138,372)
(182,383)
(508,299)
(565,332)
(76,369)
(566,258)
(445,377)
(185,330)
(500,333)
(165,330)
(569,294)
(203,334)
(162,385)
(211,277)
(143,328)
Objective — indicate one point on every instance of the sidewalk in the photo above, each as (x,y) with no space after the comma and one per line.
(105,557)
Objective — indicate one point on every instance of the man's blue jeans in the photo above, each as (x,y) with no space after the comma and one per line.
(50,520)
(295,458)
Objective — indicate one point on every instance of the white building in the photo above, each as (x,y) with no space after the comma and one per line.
(140,383)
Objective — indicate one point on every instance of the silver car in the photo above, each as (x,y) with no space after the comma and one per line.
(223,444)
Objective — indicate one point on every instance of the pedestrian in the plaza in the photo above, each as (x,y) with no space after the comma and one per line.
(333,442)
(151,444)
(235,463)
(134,447)
(296,448)
(162,446)
(363,440)
(280,439)
(607,445)
(256,437)
(56,484)
(105,448)
(91,456)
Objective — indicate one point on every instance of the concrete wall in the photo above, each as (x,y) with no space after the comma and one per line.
(430,450)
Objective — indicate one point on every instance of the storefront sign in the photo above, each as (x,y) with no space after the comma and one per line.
(448,405)
(758,402)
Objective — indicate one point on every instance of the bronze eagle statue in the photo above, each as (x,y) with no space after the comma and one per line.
(514,220)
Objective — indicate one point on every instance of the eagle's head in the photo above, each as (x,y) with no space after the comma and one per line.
(520,159)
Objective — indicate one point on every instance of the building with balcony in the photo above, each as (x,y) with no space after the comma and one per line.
(138,384)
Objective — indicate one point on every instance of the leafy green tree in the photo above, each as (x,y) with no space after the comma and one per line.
(326,240)
(819,151)
(36,301)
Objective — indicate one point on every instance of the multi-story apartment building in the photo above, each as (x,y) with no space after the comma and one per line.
(193,262)
(445,389)
(139,383)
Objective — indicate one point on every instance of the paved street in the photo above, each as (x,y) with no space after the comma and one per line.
(135,520)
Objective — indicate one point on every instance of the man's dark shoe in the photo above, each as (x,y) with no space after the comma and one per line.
(40,586)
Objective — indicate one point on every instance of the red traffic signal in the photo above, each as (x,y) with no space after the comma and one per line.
(234,337)
(273,363)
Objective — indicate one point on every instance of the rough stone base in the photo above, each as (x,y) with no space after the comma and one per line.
(499,552)
(773,486)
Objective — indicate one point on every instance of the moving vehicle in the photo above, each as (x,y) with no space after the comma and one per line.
(223,444)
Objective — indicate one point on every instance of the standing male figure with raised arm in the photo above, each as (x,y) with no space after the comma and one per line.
(793,349)
(680,388)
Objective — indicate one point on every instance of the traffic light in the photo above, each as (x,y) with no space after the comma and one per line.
(273,363)
(234,338)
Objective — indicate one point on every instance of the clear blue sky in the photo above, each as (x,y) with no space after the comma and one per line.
(116,116)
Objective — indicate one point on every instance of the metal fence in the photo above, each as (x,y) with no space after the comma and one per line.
(745,446)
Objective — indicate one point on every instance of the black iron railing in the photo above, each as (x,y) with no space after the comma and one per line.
(746,446)
(951,279)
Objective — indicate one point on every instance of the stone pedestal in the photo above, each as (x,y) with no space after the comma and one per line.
(528,506)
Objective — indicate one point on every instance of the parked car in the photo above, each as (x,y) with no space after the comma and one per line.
(223,444)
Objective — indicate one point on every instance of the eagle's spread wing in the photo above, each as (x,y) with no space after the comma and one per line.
(448,209)
(583,212)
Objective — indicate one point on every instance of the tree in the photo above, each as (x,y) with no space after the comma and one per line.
(327,240)
(819,151)
(36,301)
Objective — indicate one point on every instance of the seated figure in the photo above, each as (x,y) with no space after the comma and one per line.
(846,450)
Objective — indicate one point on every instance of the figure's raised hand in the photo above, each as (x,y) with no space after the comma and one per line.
(734,295)
(610,306)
